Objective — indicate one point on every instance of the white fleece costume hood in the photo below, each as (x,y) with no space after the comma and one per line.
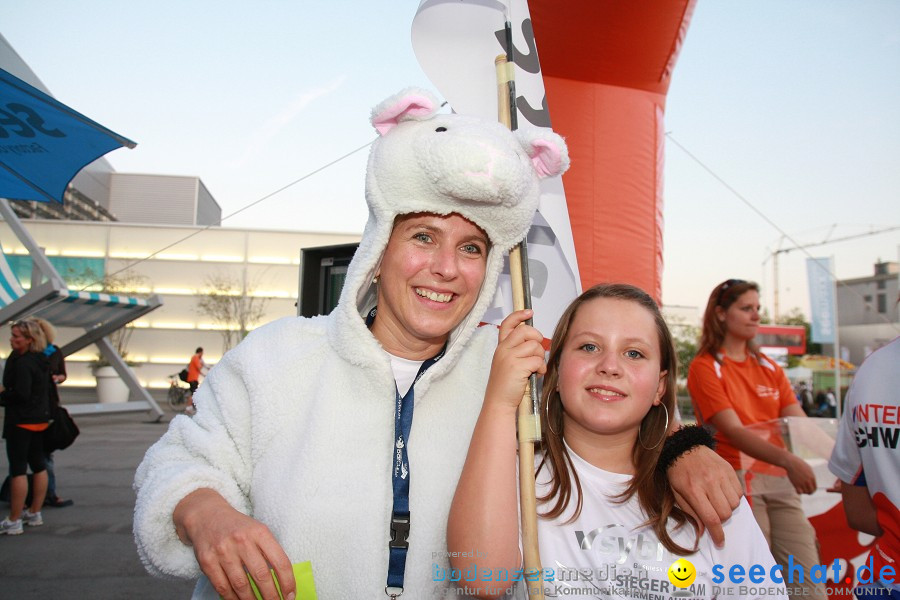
(295,425)
(442,164)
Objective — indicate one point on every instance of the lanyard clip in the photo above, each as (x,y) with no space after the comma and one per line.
(393,591)
(399,531)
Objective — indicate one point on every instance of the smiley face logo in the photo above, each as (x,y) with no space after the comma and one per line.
(682,573)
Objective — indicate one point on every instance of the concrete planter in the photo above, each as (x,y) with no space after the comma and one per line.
(110,387)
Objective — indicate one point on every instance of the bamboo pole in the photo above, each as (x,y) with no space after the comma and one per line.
(528,421)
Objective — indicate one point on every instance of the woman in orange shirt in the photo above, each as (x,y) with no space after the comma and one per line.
(26,396)
(733,384)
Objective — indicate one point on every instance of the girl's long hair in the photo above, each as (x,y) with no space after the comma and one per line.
(723,295)
(48,329)
(655,496)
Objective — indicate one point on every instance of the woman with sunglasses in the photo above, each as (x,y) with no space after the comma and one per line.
(733,385)
(26,396)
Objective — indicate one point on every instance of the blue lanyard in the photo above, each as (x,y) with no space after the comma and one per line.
(400,516)
(400,519)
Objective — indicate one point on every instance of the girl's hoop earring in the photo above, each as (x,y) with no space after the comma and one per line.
(549,422)
(662,437)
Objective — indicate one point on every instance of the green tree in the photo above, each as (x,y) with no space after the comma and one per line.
(126,282)
(795,316)
(236,312)
(686,338)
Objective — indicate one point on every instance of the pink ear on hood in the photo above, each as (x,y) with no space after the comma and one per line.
(411,104)
(547,151)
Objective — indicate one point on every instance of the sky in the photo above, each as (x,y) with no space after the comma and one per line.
(790,108)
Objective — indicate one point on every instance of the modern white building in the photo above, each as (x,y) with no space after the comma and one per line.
(868,315)
(262,264)
(162,200)
(155,234)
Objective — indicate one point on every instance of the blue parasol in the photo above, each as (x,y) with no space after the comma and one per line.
(44,143)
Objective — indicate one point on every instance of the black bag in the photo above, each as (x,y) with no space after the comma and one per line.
(182,375)
(62,431)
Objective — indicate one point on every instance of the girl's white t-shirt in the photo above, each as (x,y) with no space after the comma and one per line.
(607,553)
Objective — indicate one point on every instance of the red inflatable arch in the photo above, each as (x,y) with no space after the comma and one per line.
(607,66)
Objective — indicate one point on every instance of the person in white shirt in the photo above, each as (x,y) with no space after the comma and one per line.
(866,460)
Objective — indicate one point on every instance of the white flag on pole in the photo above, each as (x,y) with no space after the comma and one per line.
(456,42)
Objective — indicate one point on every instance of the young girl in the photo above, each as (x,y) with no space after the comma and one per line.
(608,525)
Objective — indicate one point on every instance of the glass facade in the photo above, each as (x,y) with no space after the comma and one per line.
(178,263)
(77,271)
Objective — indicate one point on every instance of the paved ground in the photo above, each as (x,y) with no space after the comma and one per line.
(87,550)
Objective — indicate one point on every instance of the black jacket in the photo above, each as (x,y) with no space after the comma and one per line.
(26,389)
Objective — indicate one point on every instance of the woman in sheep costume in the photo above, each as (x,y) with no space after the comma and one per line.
(295,427)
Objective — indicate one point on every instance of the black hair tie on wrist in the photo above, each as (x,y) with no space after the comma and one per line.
(682,441)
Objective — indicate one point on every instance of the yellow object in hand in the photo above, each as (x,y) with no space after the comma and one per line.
(303,575)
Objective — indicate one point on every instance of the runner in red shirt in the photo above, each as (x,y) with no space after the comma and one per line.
(196,368)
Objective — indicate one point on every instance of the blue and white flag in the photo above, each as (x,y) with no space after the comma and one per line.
(821,300)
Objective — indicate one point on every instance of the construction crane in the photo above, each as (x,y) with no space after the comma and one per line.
(775,254)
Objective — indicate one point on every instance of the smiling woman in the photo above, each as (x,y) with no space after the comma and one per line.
(429,278)
(334,395)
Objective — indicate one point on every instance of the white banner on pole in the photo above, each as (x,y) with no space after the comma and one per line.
(456,42)
(821,300)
